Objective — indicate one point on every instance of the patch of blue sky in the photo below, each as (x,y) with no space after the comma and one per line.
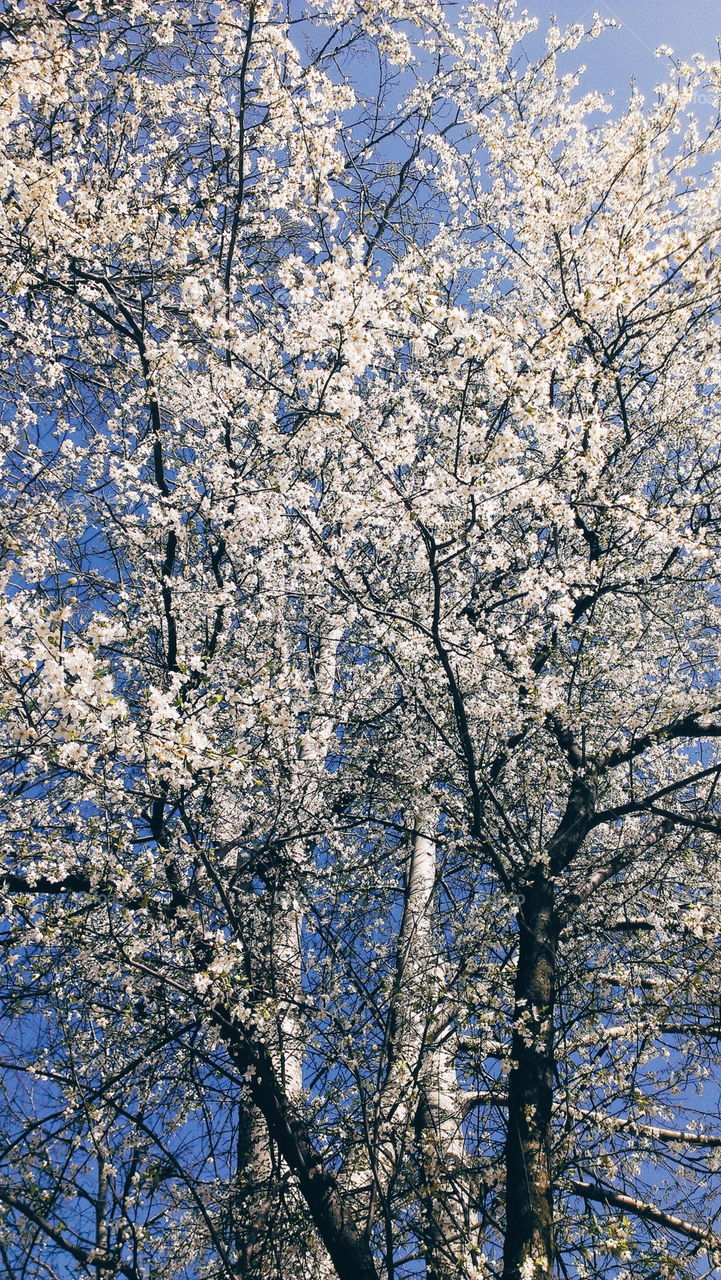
(193,1143)
(625,57)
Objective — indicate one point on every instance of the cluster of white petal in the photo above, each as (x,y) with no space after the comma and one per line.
(360,639)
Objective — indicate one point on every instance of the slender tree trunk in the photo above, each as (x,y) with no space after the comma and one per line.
(253,1202)
(286,924)
(280,970)
(422,1067)
(349,1251)
(529,1246)
(445,1200)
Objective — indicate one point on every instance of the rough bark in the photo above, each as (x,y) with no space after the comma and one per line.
(529,1234)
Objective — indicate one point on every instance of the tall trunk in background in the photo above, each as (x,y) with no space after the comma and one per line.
(279,969)
(286,958)
(446,1209)
(421,1084)
(252,1203)
(529,1245)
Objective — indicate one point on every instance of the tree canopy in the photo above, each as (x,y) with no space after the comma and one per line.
(360,649)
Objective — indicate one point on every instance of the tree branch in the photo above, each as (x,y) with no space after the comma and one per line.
(86,1257)
(647,1212)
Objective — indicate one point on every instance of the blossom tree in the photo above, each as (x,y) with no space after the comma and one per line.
(360,649)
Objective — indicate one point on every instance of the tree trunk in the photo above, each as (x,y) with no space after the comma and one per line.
(349,1251)
(280,969)
(445,1201)
(253,1202)
(529,1246)
(422,1068)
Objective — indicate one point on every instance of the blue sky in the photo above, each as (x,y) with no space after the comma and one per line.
(688,26)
